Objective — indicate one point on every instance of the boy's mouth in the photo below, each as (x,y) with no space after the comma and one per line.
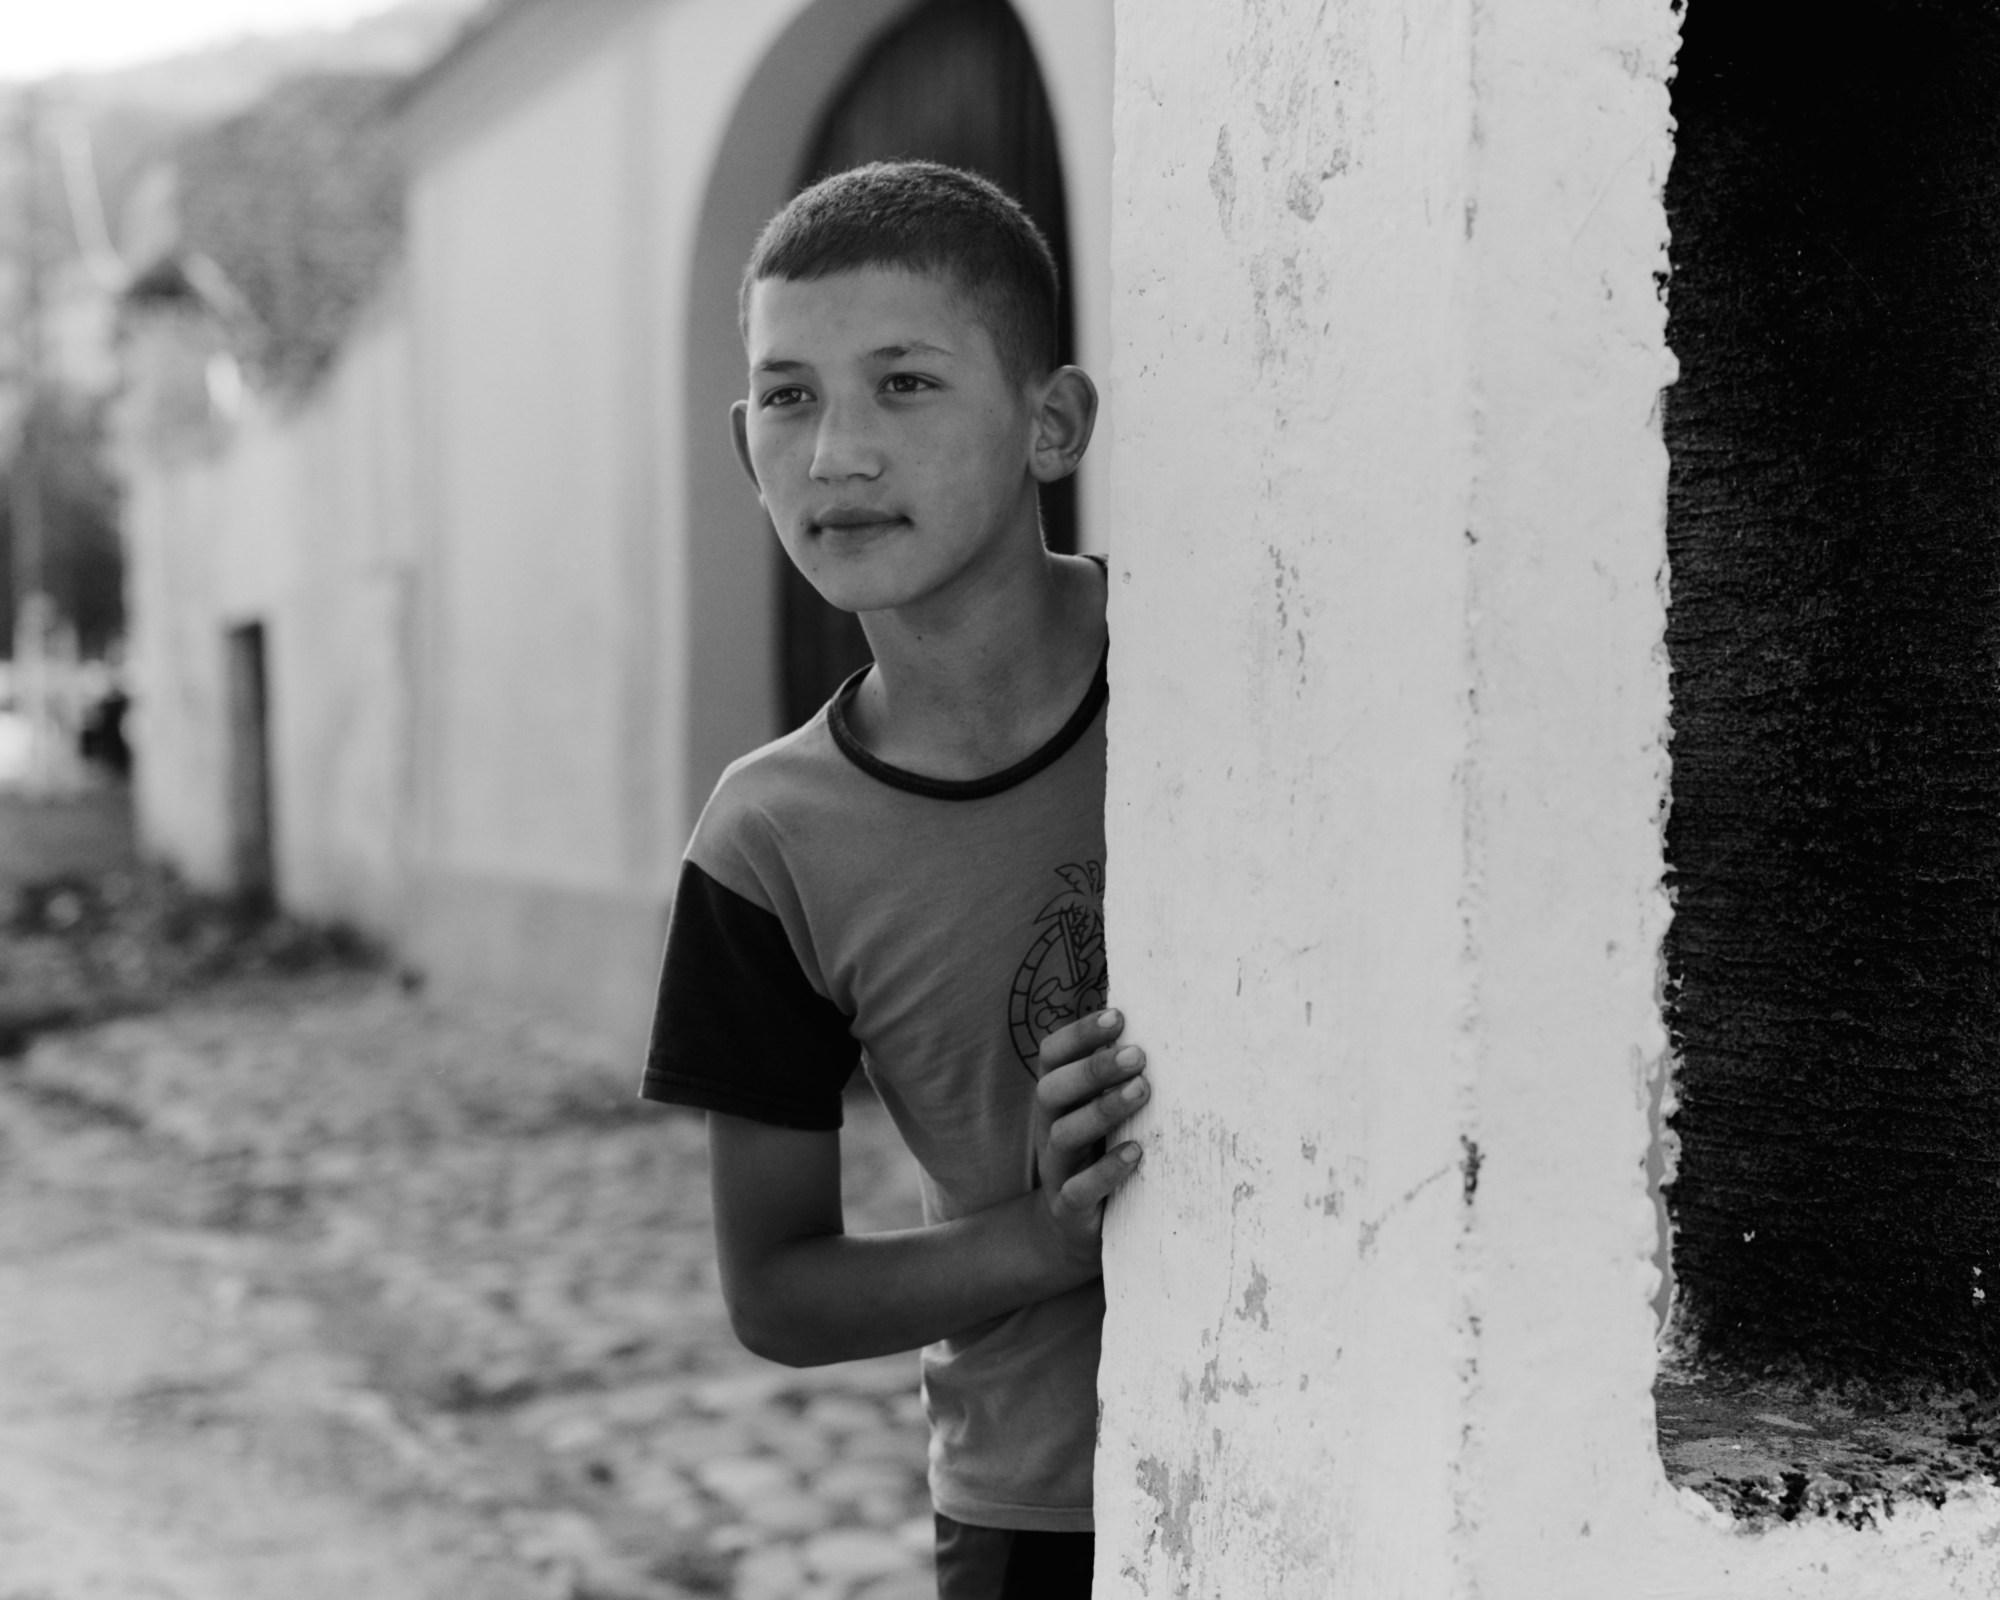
(845,517)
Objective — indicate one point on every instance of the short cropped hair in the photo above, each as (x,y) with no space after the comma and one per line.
(923,217)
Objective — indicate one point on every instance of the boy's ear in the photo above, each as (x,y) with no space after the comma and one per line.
(739,434)
(1065,414)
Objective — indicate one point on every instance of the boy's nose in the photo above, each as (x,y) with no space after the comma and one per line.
(843,447)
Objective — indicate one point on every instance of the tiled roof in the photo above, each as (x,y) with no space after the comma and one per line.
(299,202)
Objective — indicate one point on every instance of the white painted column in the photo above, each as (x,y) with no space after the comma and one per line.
(1293,919)
(1564,1490)
(1388,764)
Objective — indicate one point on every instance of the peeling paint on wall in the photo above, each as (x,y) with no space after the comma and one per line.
(1222,179)
(1388,774)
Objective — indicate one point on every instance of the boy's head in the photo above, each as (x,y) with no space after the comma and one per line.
(934,221)
(904,403)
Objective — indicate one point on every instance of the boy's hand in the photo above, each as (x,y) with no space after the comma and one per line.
(1088,1088)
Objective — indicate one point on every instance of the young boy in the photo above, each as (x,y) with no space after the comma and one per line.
(912,881)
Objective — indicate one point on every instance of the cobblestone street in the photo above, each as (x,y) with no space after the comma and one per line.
(311,1286)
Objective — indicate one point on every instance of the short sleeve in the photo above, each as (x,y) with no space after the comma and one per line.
(738,1027)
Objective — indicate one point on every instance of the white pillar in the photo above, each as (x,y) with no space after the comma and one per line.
(1388,763)
(1292,427)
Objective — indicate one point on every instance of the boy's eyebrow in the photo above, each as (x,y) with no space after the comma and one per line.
(901,352)
(887,352)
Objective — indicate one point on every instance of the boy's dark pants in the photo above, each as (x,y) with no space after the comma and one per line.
(1009,1564)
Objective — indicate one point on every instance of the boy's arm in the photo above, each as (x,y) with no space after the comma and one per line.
(802,1291)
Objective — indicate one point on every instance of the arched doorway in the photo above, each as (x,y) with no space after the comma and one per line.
(955,81)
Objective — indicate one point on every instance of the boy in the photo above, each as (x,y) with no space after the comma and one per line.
(912,881)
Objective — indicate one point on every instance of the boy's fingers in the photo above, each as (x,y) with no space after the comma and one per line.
(1074,1040)
(1090,1188)
(1068,1086)
(1088,1123)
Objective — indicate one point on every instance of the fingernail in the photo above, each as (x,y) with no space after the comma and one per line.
(1107,1019)
(1134,1091)
(1129,1154)
(1130,1056)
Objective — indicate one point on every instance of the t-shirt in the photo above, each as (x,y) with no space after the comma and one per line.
(833,909)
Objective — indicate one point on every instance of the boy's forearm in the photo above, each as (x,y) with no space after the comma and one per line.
(843,1297)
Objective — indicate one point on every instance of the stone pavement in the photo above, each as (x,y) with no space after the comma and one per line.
(361,1258)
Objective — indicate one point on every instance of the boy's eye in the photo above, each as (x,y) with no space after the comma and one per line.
(777,399)
(906,383)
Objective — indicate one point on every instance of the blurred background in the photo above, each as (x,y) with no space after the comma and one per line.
(369,494)
(125,144)
(379,601)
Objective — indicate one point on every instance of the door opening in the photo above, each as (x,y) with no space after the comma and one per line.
(252,863)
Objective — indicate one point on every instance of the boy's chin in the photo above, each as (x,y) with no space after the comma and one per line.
(880,580)
(843,593)
(889,572)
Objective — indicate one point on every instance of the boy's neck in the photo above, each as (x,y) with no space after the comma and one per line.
(968,682)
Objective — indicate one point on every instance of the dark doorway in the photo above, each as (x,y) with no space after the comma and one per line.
(1834,842)
(955,82)
(252,865)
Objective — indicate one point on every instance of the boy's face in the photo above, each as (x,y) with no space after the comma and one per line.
(889,444)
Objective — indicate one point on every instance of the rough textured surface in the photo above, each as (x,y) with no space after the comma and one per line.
(1835,838)
(1287,415)
(299,200)
(312,1288)
(1388,778)
(1771,1450)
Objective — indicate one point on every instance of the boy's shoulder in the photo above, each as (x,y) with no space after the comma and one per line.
(764,792)
(777,810)
(793,763)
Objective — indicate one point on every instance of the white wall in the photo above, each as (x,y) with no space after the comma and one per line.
(301,519)
(342,637)
(519,242)
(176,664)
(1290,425)
(1388,768)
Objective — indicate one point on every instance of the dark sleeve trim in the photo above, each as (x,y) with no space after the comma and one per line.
(739,1028)
(670,1088)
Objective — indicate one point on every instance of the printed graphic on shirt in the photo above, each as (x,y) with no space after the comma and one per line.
(1062,977)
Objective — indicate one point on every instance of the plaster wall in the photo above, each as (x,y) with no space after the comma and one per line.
(1388,770)
(1290,425)
(299,519)
(539,624)
(341,638)
(518,246)
(175,658)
